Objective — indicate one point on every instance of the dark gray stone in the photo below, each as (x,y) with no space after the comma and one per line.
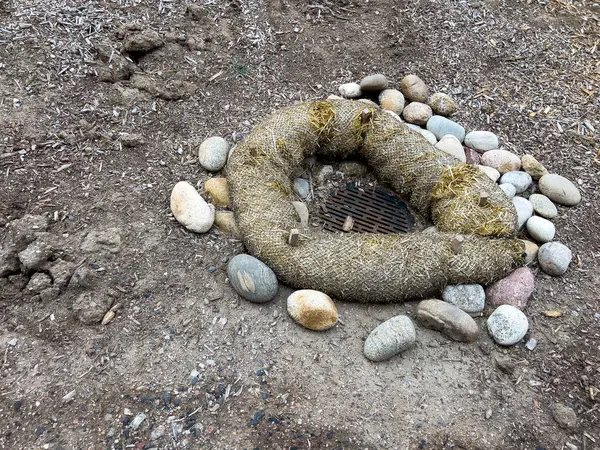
(252,279)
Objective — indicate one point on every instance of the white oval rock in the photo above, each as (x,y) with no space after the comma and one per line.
(543,206)
(428,135)
(482,141)
(490,172)
(501,160)
(418,113)
(520,180)
(468,297)
(213,153)
(559,190)
(441,126)
(507,325)
(252,279)
(377,82)
(524,210)
(392,100)
(542,230)
(350,90)
(390,338)
(414,89)
(312,309)
(451,145)
(190,209)
(554,258)
(508,189)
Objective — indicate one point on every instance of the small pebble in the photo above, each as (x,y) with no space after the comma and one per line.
(440,126)
(542,230)
(508,189)
(482,141)
(442,104)
(554,258)
(417,113)
(468,297)
(543,206)
(414,89)
(533,167)
(350,90)
(393,336)
(507,325)
(451,145)
(377,82)
(301,187)
(559,190)
(524,210)
(448,319)
(212,153)
(520,180)
(513,290)
(252,279)
(137,421)
(312,309)
(190,209)
(531,344)
(392,100)
(501,160)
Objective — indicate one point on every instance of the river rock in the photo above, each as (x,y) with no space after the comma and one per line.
(350,90)
(524,210)
(225,221)
(212,153)
(542,230)
(417,113)
(377,82)
(252,279)
(392,100)
(513,290)
(554,258)
(428,135)
(451,145)
(442,104)
(414,89)
(507,325)
(468,297)
(531,251)
(508,189)
(448,319)
(219,191)
(472,156)
(312,309)
(482,141)
(490,172)
(501,160)
(520,180)
(393,336)
(559,190)
(301,187)
(533,167)
(190,209)
(440,127)
(543,206)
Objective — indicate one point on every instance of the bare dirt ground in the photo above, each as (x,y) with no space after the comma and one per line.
(527,70)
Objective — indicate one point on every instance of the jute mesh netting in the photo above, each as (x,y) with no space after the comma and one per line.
(369,267)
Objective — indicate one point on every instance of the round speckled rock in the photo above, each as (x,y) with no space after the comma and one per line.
(414,89)
(559,190)
(468,297)
(447,319)
(312,309)
(543,206)
(482,141)
(513,290)
(393,336)
(392,100)
(190,209)
(252,279)
(507,325)
(212,153)
(417,113)
(520,180)
(440,127)
(442,104)
(451,145)
(554,258)
(542,230)
(524,210)
(508,189)
(377,82)
(501,160)
(350,90)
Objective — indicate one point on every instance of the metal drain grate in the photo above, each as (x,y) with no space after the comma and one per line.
(373,210)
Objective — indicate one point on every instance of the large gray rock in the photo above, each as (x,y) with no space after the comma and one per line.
(507,325)
(482,141)
(448,319)
(393,336)
(543,206)
(414,89)
(252,279)
(440,127)
(377,82)
(559,190)
(468,297)
(520,180)
(542,230)
(554,258)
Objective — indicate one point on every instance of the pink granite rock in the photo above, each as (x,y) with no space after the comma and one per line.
(472,156)
(513,290)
